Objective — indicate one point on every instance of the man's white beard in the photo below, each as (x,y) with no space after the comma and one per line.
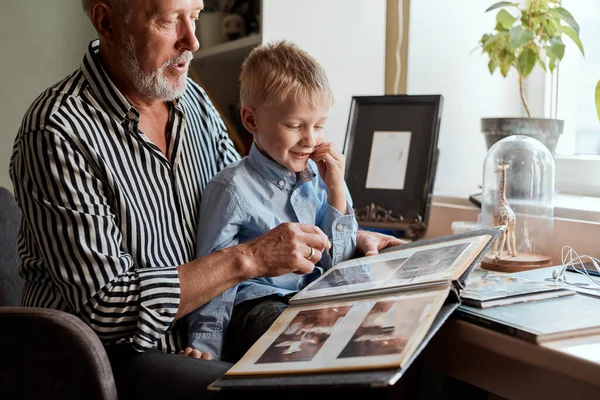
(153,84)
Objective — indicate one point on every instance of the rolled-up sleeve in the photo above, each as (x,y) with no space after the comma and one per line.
(68,214)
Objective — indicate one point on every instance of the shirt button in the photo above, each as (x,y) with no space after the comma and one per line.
(339,227)
(281,183)
(289,173)
(130,115)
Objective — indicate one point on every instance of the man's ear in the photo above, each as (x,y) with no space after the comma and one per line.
(103,17)
(249,119)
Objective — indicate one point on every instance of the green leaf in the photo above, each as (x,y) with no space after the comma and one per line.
(598,100)
(493,64)
(520,36)
(501,4)
(558,47)
(526,62)
(488,40)
(541,63)
(506,59)
(574,37)
(505,19)
(568,18)
(551,26)
(551,59)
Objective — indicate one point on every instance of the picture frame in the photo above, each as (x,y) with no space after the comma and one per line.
(391,150)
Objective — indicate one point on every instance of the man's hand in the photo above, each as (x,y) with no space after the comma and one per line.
(284,249)
(193,353)
(369,243)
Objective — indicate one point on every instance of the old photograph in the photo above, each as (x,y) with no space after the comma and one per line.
(363,273)
(304,336)
(387,328)
(428,262)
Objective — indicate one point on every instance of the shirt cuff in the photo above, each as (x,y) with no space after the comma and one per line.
(341,225)
(343,232)
(159,302)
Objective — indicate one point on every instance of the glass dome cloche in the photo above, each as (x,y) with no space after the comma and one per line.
(518,192)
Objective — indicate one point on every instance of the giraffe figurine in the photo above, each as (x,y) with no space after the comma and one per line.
(504,215)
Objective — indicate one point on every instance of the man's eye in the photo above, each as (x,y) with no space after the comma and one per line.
(293,126)
(320,127)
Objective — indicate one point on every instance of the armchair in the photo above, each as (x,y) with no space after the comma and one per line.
(44,353)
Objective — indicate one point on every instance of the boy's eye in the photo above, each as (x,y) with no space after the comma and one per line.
(293,126)
(320,127)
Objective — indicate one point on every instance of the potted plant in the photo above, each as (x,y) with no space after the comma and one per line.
(525,36)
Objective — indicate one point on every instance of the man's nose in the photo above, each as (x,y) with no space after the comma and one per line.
(188,40)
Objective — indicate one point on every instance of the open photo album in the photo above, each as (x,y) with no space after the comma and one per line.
(367,314)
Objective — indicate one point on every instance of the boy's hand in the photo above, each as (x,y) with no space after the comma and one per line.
(331,164)
(193,353)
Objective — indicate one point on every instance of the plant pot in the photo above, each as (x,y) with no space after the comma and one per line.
(546,130)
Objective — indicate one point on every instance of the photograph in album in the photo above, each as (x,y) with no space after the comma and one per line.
(341,336)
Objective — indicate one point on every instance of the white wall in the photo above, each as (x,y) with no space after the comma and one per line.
(442,35)
(41,41)
(346,36)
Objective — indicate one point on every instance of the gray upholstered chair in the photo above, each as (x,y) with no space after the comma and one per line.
(44,354)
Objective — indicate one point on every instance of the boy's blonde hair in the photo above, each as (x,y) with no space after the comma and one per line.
(279,71)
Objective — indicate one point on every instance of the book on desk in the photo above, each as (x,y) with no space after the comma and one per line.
(364,321)
(540,321)
(496,289)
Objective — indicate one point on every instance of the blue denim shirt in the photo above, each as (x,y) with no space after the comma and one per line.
(247,199)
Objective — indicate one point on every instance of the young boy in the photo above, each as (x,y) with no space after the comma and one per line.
(290,175)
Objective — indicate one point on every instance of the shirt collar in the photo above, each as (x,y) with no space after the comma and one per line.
(103,88)
(276,173)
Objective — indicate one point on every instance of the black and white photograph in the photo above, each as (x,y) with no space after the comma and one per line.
(427,262)
(304,336)
(363,273)
(387,328)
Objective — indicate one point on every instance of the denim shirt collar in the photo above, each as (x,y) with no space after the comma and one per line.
(276,173)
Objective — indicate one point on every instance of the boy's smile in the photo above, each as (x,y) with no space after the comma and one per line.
(290,132)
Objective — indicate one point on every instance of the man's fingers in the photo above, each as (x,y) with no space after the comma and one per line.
(315,237)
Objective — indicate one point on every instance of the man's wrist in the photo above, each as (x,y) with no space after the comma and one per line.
(242,257)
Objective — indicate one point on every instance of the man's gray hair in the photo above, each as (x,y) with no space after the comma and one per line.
(121,5)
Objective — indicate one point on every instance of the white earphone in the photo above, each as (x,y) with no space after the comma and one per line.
(571,259)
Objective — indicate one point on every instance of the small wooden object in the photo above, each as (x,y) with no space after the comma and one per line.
(520,262)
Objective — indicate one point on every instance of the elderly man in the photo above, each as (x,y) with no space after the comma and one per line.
(108,169)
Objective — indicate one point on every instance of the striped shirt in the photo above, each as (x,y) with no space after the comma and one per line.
(107,217)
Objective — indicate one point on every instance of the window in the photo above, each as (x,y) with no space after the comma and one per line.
(569,95)
(576,82)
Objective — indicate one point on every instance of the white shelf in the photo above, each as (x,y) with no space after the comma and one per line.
(242,45)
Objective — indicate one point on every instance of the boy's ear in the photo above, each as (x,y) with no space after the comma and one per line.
(248,119)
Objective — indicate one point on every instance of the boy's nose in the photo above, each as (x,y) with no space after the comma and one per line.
(309,139)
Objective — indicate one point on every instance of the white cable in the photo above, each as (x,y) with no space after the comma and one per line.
(398,47)
(570,258)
